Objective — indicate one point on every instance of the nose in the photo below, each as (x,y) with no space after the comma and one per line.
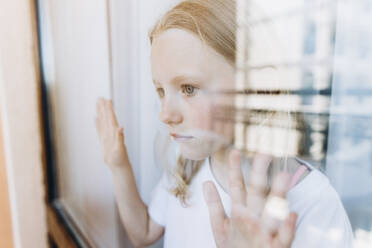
(170,113)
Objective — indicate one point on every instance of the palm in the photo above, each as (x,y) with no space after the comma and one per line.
(110,134)
(251,223)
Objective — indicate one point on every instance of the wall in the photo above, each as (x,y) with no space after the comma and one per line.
(6,240)
(75,51)
(20,112)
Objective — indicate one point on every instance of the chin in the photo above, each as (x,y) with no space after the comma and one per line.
(195,154)
(199,151)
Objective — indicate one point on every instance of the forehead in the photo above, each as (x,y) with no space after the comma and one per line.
(178,52)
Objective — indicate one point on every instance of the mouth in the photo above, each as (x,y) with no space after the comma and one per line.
(181,138)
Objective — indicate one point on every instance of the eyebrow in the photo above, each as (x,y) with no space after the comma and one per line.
(178,79)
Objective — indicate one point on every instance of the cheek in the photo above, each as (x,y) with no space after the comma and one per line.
(206,119)
(202,117)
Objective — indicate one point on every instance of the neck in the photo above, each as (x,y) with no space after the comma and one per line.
(219,166)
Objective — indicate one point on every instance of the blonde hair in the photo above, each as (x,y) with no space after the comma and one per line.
(213,21)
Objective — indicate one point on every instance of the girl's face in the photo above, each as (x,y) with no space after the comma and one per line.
(187,74)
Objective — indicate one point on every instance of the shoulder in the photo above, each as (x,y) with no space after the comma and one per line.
(314,191)
(322,219)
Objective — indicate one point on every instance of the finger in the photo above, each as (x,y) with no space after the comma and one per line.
(216,211)
(98,124)
(287,232)
(257,184)
(103,117)
(111,114)
(236,181)
(280,185)
(108,123)
(100,118)
(258,176)
(99,104)
(276,208)
(100,108)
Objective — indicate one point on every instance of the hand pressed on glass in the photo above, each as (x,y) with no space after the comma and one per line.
(111,135)
(253,223)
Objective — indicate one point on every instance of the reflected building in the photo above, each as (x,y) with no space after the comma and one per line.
(284,61)
(303,88)
(349,157)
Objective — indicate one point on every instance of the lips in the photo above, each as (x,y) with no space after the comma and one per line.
(181,138)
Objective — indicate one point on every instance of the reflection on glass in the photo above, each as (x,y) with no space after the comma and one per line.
(305,67)
(349,161)
(291,76)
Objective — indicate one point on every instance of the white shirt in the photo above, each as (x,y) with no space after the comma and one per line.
(322,221)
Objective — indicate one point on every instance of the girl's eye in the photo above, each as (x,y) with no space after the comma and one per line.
(160,92)
(188,90)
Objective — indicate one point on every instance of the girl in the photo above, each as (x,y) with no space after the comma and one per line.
(193,54)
